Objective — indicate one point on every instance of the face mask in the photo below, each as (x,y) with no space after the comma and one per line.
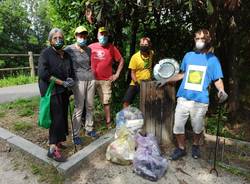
(59,44)
(199,45)
(103,40)
(144,48)
(81,42)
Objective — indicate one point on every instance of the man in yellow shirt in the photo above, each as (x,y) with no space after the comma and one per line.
(141,69)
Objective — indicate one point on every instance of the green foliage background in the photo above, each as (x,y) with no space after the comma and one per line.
(24,25)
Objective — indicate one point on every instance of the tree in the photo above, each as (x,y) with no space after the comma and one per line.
(171,25)
(23,28)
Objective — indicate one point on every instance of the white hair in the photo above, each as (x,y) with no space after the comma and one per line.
(53,31)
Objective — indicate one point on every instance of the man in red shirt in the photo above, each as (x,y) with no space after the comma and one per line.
(102,55)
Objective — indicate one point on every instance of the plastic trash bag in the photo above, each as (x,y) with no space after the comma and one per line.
(148,161)
(122,150)
(131,117)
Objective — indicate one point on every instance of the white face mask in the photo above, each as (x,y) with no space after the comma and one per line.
(199,44)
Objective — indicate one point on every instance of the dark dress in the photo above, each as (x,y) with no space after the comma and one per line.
(51,64)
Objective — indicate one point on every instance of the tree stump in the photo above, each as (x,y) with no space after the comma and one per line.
(158,106)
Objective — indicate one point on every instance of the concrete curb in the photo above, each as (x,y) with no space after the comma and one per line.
(85,155)
(96,147)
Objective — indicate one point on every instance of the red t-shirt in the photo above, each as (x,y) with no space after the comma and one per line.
(101,59)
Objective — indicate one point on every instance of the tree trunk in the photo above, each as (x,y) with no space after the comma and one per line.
(233,86)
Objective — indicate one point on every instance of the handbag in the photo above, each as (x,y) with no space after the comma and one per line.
(44,117)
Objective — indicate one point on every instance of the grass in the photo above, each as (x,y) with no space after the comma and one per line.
(24,107)
(2,114)
(17,80)
(46,173)
(22,126)
(235,171)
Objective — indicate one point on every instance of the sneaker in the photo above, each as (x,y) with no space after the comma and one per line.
(91,133)
(56,155)
(196,152)
(178,153)
(77,141)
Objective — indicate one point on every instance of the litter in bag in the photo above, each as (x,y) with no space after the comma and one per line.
(148,161)
(122,150)
(131,117)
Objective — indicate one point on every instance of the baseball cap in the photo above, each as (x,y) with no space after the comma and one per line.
(102,29)
(81,29)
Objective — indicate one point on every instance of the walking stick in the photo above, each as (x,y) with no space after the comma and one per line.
(217,141)
(70,113)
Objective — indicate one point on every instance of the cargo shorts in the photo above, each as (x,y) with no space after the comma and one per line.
(104,91)
(185,109)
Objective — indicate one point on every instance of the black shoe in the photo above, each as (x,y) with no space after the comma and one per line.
(178,153)
(196,152)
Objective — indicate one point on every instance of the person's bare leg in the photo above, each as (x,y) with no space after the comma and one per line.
(107,113)
(125,104)
(180,141)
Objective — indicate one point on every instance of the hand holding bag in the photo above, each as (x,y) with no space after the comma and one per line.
(44,118)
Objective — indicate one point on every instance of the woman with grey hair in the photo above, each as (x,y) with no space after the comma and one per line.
(55,65)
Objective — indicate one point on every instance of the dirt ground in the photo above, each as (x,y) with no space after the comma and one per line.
(14,169)
(12,172)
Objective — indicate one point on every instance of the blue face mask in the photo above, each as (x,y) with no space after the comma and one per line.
(59,44)
(81,42)
(103,40)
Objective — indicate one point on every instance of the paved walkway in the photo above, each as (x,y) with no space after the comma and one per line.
(12,93)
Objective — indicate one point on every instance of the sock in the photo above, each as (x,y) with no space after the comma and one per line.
(52,148)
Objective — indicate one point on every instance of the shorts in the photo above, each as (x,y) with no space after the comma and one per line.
(131,93)
(104,91)
(195,110)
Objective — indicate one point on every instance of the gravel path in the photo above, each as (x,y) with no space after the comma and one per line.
(11,171)
(185,171)
(100,171)
(12,93)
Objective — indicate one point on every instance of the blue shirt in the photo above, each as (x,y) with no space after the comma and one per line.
(199,71)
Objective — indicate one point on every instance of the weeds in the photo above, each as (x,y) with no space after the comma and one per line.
(22,126)
(2,114)
(17,80)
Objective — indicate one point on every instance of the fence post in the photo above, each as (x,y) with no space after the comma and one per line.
(31,63)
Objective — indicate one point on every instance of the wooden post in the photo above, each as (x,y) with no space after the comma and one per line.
(31,63)
(157,106)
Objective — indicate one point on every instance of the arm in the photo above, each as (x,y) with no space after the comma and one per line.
(175,78)
(222,95)
(43,67)
(219,85)
(118,71)
(133,76)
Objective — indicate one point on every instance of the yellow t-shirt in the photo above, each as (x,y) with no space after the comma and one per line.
(142,66)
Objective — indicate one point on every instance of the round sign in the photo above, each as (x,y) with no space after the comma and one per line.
(166,68)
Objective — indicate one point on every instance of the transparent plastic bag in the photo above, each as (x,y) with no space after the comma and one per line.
(131,117)
(148,161)
(122,150)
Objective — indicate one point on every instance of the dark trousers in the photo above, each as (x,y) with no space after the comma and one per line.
(131,93)
(59,116)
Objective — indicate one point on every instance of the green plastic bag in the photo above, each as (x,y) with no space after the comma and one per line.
(44,118)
